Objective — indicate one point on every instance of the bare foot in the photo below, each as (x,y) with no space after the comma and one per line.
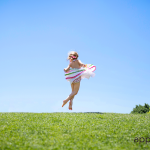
(64,103)
(70,105)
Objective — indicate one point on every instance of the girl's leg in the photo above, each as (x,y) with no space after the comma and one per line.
(71,101)
(70,104)
(76,89)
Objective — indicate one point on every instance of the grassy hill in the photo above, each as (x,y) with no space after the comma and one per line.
(74,131)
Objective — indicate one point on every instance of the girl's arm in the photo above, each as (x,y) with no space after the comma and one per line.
(67,69)
(81,64)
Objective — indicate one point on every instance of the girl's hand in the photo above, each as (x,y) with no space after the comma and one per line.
(67,69)
(83,65)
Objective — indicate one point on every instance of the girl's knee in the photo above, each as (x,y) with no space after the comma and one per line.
(75,93)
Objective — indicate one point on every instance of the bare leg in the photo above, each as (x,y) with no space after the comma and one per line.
(76,89)
(70,104)
(71,101)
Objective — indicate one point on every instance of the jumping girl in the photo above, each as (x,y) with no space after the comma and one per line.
(76,71)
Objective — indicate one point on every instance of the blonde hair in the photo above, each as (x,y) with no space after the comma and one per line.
(72,53)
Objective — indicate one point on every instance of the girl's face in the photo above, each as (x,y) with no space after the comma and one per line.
(70,57)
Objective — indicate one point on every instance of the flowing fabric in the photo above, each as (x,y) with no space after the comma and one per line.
(84,72)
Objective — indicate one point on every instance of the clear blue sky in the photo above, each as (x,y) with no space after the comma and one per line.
(36,36)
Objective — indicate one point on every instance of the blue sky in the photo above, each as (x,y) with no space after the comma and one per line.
(36,36)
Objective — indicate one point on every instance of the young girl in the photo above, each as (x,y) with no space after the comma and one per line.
(76,71)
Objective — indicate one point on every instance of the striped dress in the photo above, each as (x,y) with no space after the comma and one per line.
(75,75)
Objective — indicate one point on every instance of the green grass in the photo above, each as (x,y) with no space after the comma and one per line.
(73,131)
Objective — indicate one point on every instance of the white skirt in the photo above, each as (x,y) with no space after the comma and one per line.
(84,72)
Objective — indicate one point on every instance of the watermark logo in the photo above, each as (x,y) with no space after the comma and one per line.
(141,140)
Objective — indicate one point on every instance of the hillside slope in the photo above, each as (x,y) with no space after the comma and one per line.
(73,131)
